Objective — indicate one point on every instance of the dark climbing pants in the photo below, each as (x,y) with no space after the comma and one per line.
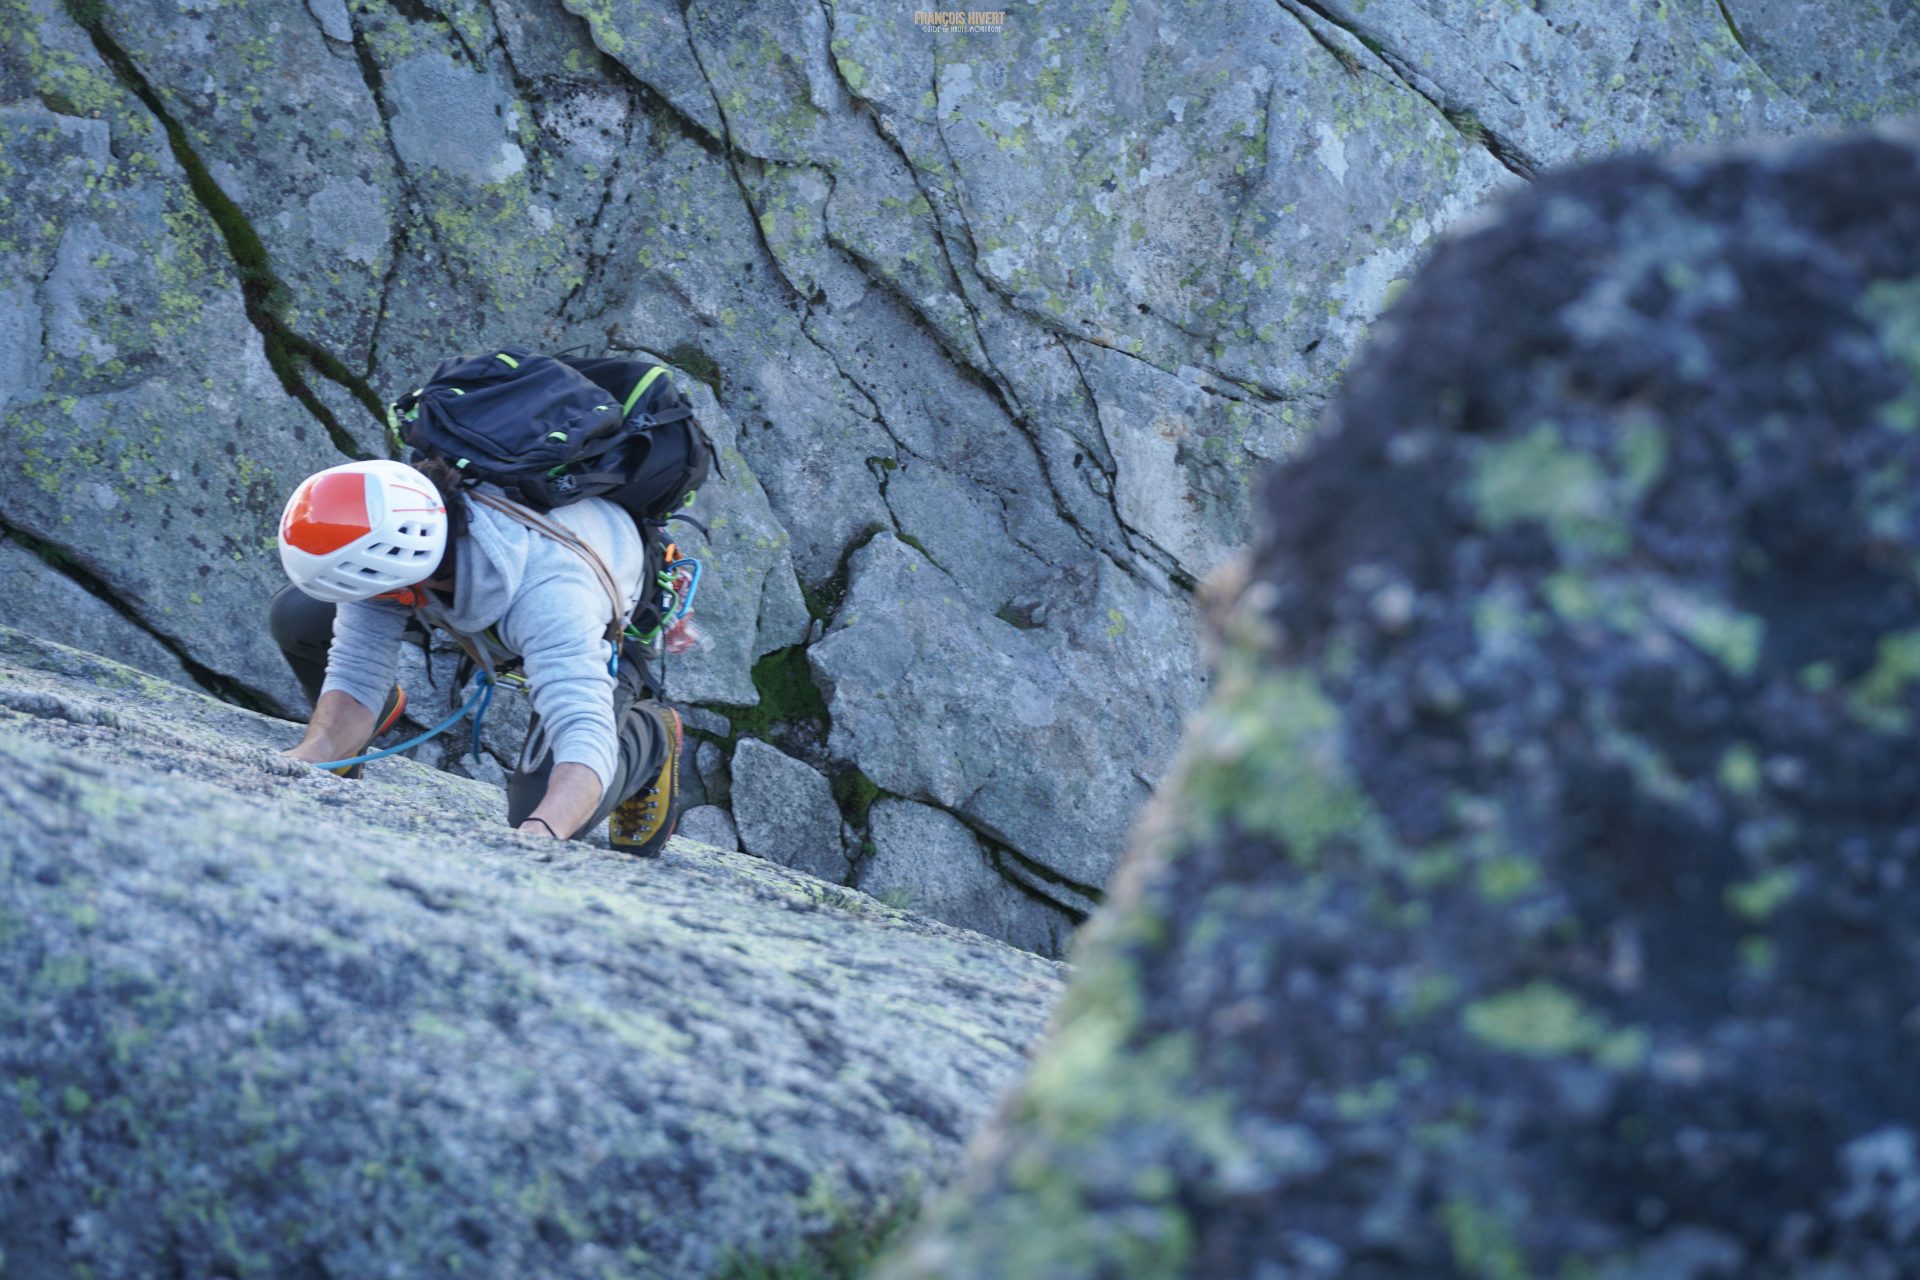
(303,628)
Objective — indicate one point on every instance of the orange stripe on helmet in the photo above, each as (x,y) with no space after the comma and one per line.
(327,512)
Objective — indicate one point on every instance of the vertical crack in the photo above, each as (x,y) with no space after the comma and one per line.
(1106,463)
(261,291)
(597,262)
(397,247)
(1250,195)
(993,381)
(885,132)
(1733,27)
(530,101)
(374,78)
(1167,562)
(731,153)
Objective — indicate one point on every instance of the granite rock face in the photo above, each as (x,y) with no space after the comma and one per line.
(45,600)
(1041,301)
(1534,894)
(266,1022)
(928,861)
(903,647)
(785,812)
(710,825)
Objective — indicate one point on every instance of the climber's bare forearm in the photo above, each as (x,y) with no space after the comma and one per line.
(573,793)
(339,729)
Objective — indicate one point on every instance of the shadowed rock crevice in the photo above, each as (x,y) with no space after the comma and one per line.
(1733,28)
(288,352)
(83,579)
(593,20)
(1038,881)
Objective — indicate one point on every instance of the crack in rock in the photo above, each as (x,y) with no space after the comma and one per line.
(286,350)
(1461,119)
(224,687)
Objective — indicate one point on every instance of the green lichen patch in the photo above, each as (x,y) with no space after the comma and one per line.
(1740,770)
(1540,477)
(1543,1020)
(1756,900)
(1269,756)
(1482,1241)
(788,696)
(1732,638)
(696,363)
(855,793)
(849,1239)
(1879,699)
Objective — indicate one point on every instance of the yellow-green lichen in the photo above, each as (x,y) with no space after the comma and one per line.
(1740,770)
(1540,477)
(1482,1241)
(1757,899)
(1893,308)
(1542,1020)
(1730,637)
(1268,754)
(1879,699)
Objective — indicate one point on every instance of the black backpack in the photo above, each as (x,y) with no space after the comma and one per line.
(553,430)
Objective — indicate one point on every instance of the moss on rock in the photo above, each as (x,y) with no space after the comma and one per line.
(1533,897)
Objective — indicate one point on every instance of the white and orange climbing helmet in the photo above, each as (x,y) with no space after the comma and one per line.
(362,529)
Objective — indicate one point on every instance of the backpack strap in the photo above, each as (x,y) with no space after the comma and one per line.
(566,538)
(640,389)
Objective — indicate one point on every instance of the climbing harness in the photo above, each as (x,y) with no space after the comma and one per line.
(678,581)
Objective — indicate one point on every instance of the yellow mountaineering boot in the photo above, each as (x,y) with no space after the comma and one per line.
(641,823)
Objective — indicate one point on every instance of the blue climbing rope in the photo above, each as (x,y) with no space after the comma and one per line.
(482,699)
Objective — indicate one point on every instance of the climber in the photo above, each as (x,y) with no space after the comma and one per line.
(374,549)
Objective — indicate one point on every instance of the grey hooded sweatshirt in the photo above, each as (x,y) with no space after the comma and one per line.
(518,592)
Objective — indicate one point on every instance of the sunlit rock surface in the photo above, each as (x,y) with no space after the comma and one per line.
(260,1021)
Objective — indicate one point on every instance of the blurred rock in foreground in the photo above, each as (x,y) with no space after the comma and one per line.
(1536,896)
(258,1021)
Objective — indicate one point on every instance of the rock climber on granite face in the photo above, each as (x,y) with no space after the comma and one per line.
(374,548)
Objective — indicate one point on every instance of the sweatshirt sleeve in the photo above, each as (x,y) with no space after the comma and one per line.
(365,653)
(558,625)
